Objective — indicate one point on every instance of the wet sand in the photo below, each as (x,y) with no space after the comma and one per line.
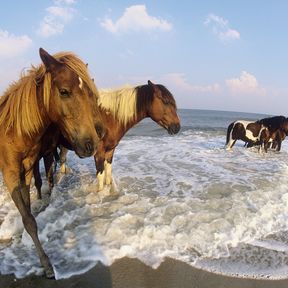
(131,273)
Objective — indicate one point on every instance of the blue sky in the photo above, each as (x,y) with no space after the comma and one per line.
(220,55)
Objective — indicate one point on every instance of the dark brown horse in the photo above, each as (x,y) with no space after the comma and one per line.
(61,92)
(277,138)
(52,139)
(278,130)
(121,109)
(49,143)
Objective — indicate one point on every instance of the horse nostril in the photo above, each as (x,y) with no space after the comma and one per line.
(177,128)
(89,146)
(174,128)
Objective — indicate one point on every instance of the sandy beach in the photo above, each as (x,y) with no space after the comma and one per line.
(132,273)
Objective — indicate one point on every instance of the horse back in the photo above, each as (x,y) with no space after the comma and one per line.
(255,129)
(273,123)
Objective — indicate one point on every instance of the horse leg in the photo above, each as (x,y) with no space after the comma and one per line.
(48,163)
(31,227)
(20,197)
(250,144)
(265,145)
(279,146)
(230,144)
(99,162)
(38,179)
(63,154)
(99,158)
(108,166)
(278,140)
(25,180)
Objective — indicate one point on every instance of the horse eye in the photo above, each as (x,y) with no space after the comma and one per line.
(64,92)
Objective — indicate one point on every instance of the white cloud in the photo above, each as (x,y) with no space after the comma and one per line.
(56,18)
(66,13)
(180,82)
(11,45)
(135,18)
(67,2)
(221,28)
(245,84)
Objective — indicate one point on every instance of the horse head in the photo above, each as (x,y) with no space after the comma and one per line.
(163,108)
(71,104)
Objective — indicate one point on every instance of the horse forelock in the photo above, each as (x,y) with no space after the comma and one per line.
(79,67)
(167,96)
(146,94)
(19,105)
(121,103)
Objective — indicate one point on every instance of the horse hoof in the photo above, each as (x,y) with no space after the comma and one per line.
(49,273)
(100,188)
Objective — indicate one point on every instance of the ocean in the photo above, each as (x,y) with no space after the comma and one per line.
(181,196)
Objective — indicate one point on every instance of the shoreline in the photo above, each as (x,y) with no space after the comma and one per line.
(128,272)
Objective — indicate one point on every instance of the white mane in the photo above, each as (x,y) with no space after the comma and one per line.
(120,102)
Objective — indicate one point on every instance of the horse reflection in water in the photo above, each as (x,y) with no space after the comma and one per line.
(120,110)
(59,92)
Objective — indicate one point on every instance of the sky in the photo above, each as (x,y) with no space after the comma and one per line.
(217,55)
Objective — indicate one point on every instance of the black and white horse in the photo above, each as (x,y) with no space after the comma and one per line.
(252,133)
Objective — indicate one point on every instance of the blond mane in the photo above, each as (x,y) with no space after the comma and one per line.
(20,104)
(121,103)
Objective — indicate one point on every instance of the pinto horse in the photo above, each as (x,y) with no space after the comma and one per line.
(59,91)
(253,133)
(121,109)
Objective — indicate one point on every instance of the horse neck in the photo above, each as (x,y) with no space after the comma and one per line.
(43,109)
(44,114)
(116,124)
(139,117)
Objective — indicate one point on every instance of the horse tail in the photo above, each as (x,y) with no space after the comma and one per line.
(230,127)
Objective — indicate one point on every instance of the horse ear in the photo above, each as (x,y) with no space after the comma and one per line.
(153,86)
(49,61)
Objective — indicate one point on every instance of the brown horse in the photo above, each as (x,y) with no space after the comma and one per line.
(61,92)
(278,129)
(121,109)
(51,139)
(276,139)
(49,143)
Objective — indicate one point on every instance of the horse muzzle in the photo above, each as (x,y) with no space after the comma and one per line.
(173,128)
(85,148)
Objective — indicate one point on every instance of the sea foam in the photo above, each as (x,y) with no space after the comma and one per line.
(183,197)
